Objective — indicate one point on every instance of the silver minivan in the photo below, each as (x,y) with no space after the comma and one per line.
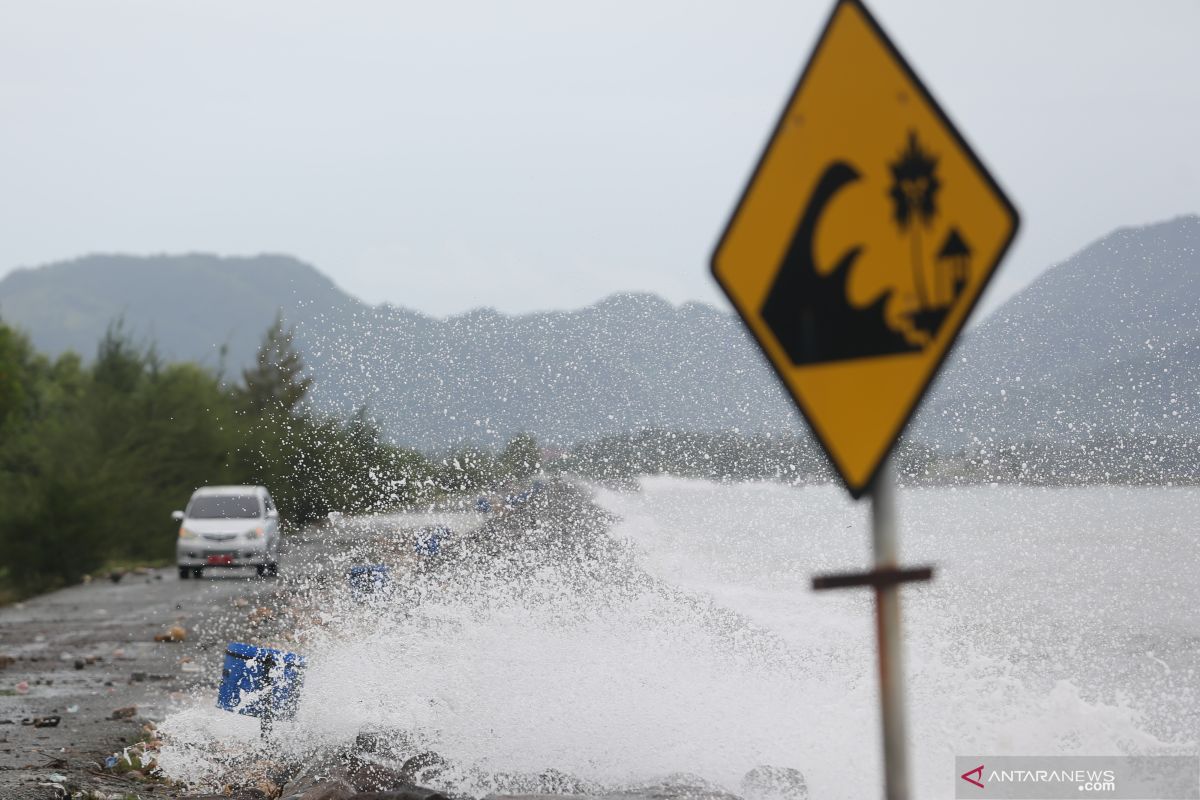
(228,526)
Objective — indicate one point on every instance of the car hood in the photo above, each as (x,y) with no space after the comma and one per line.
(203,526)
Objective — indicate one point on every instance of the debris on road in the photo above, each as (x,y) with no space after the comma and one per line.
(128,712)
(176,633)
(42,722)
(22,687)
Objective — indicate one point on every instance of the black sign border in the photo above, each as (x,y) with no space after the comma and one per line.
(858,493)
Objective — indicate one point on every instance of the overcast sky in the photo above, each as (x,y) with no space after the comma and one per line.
(530,155)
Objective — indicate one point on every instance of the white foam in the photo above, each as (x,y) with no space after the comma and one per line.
(729,661)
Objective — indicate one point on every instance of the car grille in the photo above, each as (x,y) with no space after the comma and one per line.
(219,537)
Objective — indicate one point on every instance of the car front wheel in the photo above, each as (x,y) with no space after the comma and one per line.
(184,573)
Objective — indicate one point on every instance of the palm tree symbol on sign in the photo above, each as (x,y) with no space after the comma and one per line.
(915,185)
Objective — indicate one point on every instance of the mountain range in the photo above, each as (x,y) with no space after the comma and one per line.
(1104,344)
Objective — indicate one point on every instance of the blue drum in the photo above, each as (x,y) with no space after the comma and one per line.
(261,681)
(427,542)
(368,581)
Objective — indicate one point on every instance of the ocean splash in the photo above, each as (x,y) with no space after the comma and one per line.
(674,632)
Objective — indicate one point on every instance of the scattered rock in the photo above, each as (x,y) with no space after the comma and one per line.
(375,778)
(422,767)
(116,576)
(408,793)
(137,677)
(80,663)
(128,712)
(252,793)
(326,790)
(774,783)
(7,661)
(553,781)
(267,788)
(681,786)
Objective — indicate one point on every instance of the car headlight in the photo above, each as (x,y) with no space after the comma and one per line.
(254,533)
(184,533)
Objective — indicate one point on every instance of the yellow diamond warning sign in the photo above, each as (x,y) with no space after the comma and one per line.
(862,242)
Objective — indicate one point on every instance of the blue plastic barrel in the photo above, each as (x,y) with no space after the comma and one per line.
(369,580)
(428,541)
(258,679)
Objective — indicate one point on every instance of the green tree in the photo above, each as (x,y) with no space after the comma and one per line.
(13,352)
(521,457)
(277,381)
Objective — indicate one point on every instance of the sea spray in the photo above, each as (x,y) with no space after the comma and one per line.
(661,632)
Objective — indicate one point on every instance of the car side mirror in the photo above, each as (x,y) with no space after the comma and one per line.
(177,516)
(273,514)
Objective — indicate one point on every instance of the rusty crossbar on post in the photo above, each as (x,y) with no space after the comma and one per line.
(875,577)
(886,578)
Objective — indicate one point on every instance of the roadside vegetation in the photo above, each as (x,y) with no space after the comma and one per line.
(95,455)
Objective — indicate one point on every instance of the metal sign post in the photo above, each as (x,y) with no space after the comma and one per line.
(887,622)
(886,578)
(911,227)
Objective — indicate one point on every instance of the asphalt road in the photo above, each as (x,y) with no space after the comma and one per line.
(82,653)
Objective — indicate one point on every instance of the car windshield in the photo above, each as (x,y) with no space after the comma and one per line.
(224,506)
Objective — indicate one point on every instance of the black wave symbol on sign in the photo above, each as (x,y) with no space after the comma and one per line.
(809,313)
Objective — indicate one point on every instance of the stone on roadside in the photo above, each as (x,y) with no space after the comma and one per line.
(375,778)
(422,767)
(127,712)
(334,789)
(774,783)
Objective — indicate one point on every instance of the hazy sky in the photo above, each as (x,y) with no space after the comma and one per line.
(542,154)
